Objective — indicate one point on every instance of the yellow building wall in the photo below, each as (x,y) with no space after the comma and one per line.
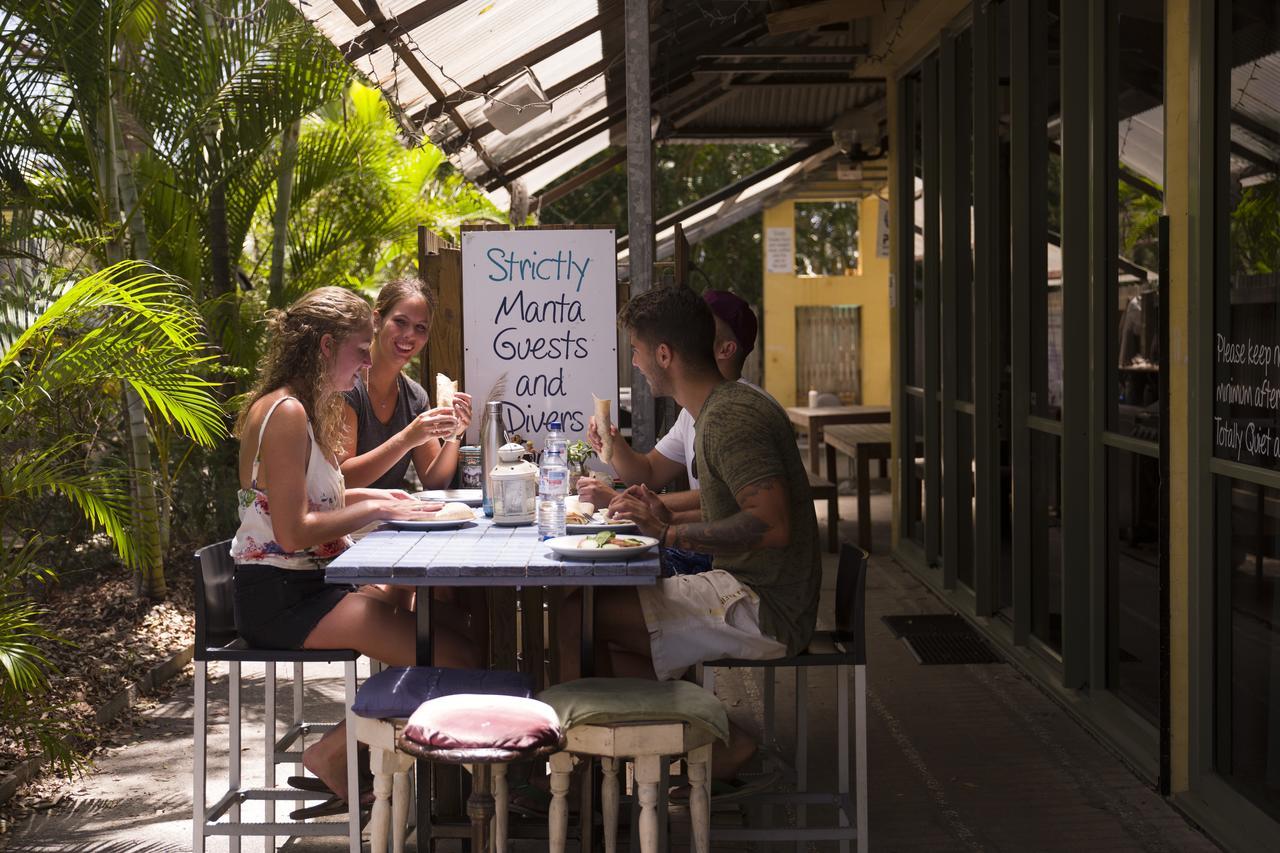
(868,288)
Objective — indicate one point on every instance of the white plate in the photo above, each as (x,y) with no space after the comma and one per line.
(428,524)
(569,547)
(470,497)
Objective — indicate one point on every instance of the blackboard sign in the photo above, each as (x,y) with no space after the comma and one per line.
(540,328)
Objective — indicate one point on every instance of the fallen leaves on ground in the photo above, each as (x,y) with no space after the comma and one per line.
(115,640)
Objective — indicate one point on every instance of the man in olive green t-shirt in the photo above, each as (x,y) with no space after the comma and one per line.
(756,518)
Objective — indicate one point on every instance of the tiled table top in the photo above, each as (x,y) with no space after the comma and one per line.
(479,554)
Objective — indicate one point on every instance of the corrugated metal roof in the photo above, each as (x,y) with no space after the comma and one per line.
(1255,107)
(441,61)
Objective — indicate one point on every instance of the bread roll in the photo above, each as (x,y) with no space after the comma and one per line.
(445,389)
(455,512)
(604,426)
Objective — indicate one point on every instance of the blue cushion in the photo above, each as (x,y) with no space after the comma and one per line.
(397,692)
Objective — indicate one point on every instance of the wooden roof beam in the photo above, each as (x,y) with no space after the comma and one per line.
(501,74)
(806,52)
(777,68)
(387,30)
(811,16)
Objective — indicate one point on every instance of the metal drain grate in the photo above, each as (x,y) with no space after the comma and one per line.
(940,639)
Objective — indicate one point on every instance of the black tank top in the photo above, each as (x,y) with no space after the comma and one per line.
(411,401)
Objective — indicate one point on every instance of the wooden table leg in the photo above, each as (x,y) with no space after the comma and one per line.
(587,668)
(423,769)
(815,439)
(864,501)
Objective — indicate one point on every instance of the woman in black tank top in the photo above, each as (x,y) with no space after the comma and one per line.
(390,422)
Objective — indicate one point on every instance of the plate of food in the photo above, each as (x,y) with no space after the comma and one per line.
(450,516)
(582,517)
(606,545)
(470,497)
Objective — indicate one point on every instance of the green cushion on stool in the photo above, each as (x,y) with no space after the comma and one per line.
(603,701)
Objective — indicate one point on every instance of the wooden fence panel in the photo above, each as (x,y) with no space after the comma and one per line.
(828,343)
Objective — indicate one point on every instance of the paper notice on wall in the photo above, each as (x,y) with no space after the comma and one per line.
(882,230)
(780,250)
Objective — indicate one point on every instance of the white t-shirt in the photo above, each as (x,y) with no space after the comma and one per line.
(677,444)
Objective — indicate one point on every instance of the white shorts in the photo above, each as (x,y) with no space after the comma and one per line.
(707,616)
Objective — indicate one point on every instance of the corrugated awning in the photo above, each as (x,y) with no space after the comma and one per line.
(525,90)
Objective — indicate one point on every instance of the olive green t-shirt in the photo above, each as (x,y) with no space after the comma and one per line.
(742,437)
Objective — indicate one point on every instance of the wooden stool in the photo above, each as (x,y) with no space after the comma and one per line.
(648,722)
(384,705)
(648,745)
(485,734)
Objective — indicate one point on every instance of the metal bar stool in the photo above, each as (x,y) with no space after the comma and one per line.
(845,649)
(216,640)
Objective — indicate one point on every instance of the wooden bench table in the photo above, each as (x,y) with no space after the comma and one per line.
(812,420)
(863,442)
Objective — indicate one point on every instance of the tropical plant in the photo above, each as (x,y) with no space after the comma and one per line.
(126,130)
(357,195)
(1255,229)
(64,341)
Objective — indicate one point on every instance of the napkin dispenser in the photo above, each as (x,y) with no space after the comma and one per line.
(513,487)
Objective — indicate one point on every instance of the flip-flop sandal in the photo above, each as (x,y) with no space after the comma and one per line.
(335,805)
(309,783)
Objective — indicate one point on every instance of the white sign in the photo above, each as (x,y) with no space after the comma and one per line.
(780,250)
(540,326)
(882,230)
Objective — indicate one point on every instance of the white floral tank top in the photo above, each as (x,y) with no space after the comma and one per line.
(255,541)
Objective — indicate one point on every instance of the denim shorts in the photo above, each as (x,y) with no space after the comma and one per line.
(278,608)
(678,561)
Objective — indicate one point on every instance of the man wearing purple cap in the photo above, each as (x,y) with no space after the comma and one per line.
(736,329)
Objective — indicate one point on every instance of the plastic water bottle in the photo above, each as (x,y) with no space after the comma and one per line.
(553,486)
(556,437)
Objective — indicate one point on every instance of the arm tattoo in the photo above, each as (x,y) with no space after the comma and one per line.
(733,535)
(737,534)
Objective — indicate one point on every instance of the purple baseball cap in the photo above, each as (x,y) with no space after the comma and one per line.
(737,315)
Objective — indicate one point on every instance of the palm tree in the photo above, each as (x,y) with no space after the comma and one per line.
(81,339)
(132,129)
(355,198)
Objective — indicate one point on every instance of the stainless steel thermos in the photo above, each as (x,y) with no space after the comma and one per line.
(492,436)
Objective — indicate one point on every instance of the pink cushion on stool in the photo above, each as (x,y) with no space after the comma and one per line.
(474,721)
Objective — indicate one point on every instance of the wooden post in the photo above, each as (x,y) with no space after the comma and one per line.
(639,198)
(442,270)
(681,257)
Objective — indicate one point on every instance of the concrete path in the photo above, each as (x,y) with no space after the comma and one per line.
(962,758)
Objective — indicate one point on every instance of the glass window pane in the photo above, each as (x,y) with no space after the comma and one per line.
(964,441)
(1046,292)
(916,295)
(1046,538)
(1246,423)
(1133,333)
(1246,413)
(963,209)
(913,464)
(1133,572)
(1248,753)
